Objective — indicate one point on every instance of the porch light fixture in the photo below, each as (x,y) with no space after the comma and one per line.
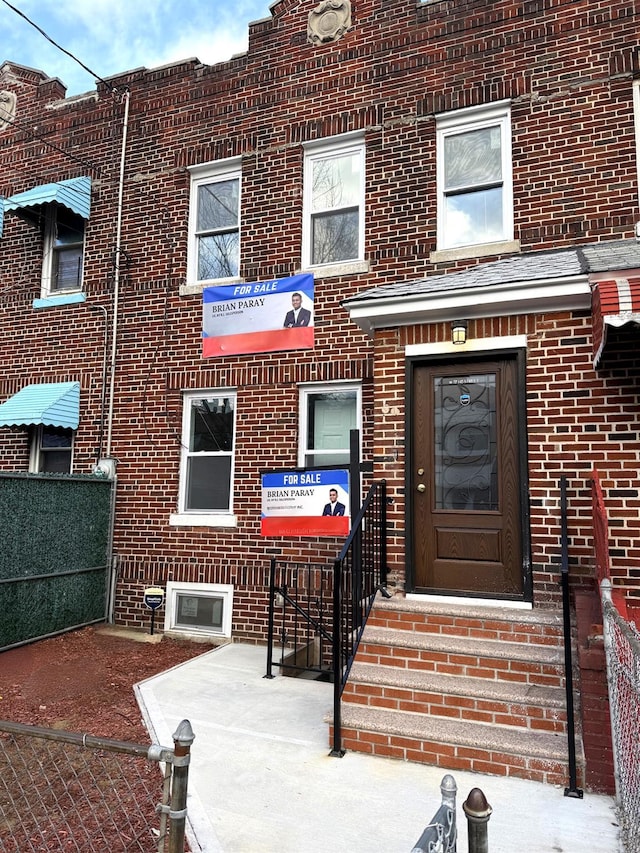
(459,332)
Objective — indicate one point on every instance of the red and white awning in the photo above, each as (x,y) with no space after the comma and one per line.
(614,302)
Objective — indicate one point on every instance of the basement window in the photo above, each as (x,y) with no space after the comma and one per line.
(198,609)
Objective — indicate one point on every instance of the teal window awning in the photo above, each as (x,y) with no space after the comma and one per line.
(74,194)
(50,404)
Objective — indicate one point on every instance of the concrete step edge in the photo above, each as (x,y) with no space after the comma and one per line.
(451,644)
(487,738)
(458,685)
(534,616)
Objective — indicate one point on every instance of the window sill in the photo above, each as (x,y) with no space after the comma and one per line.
(195,288)
(202,519)
(59,299)
(481,250)
(346,268)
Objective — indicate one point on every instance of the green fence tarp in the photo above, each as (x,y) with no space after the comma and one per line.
(54,554)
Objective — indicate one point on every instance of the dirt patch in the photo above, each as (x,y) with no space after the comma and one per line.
(83,681)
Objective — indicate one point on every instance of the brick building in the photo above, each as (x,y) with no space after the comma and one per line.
(424,163)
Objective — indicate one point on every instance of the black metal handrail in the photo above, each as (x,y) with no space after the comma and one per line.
(571,790)
(360,570)
(323,608)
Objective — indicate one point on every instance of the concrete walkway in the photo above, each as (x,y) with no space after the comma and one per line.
(262,781)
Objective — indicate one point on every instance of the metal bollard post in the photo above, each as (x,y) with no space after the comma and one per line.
(182,740)
(478,812)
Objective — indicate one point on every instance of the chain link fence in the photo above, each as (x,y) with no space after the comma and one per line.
(622,649)
(63,791)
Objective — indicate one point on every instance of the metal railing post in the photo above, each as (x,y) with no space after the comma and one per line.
(338,573)
(382,580)
(478,812)
(272,595)
(182,740)
(571,790)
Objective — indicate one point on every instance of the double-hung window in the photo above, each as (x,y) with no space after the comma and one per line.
(63,250)
(475,193)
(60,210)
(214,231)
(207,465)
(334,181)
(51,450)
(328,413)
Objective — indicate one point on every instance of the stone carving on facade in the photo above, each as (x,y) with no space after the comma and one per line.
(329,21)
(7,108)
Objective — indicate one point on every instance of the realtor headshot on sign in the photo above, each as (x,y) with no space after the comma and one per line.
(298,316)
(334,507)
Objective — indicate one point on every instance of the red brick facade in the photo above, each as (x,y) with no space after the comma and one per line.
(567,71)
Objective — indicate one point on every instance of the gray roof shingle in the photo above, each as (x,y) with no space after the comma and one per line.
(532,266)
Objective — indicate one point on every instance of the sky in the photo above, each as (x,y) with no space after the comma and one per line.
(112,36)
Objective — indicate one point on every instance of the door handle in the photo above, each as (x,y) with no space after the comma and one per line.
(421,487)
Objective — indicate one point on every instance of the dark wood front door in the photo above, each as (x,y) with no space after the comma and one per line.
(466,505)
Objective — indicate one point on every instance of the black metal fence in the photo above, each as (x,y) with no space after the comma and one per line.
(69,791)
(300,618)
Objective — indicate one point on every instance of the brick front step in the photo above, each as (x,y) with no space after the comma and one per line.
(486,623)
(476,688)
(454,745)
(467,656)
(531,706)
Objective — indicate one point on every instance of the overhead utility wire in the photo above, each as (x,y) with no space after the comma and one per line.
(26,129)
(55,44)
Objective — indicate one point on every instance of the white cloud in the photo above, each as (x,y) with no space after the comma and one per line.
(113,36)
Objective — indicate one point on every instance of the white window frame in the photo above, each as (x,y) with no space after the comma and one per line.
(210,173)
(338,146)
(198,590)
(305,392)
(202,517)
(52,214)
(37,452)
(464,121)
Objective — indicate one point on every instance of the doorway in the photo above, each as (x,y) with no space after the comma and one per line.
(467,477)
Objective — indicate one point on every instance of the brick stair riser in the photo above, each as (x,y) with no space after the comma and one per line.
(473,666)
(455,757)
(481,629)
(475,709)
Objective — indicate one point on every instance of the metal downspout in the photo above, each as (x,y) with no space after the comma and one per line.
(116,273)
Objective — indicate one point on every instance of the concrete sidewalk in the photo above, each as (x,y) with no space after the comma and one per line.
(262,781)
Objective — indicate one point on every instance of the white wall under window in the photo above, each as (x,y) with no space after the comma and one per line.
(328,413)
(198,609)
(474,176)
